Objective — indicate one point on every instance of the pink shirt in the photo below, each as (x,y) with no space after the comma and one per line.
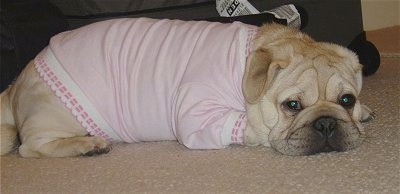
(142,79)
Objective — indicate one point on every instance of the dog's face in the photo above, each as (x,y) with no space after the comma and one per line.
(302,95)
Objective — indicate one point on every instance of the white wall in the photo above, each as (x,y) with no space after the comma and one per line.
(380,13)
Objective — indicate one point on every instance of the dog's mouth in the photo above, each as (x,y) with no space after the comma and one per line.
(316,147)
(308,140)
(311,148)
(327,148)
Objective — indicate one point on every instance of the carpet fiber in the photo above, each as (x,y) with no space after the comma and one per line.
(167,167)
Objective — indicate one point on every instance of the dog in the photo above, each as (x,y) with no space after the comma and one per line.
(205,84)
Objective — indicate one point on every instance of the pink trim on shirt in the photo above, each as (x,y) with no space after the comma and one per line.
(237,131)
(250,36)
(57,86)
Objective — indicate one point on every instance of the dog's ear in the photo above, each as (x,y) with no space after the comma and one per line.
(366,114)
(260,71)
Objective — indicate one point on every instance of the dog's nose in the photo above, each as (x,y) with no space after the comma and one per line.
(325,126)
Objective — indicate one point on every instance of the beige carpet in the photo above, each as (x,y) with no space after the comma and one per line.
(167,167)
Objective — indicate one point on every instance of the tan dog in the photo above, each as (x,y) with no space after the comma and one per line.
(301,98)
(306,99)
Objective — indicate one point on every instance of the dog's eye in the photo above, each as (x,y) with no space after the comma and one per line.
(347,100)
(293,105)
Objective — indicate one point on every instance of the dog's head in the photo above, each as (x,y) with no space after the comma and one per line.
(302,95)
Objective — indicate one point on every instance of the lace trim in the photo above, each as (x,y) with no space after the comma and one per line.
(56,82)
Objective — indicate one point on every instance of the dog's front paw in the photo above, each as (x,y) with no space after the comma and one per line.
(96,146)
(367,114)
(250,138)
(255,137)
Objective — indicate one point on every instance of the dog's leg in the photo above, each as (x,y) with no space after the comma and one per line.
(256,133)
(8,131)
(46,127)
(73,146)
(54,132)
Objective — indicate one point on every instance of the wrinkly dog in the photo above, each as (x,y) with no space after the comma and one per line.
(205,84)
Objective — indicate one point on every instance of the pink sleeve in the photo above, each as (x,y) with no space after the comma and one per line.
(204,121)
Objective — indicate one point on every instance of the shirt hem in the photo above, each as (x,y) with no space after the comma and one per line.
(52,73)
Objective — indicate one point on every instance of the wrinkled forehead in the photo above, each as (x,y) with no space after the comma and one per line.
(334,81)
(317,78)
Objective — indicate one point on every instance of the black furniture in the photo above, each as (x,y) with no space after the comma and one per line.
(26,26)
